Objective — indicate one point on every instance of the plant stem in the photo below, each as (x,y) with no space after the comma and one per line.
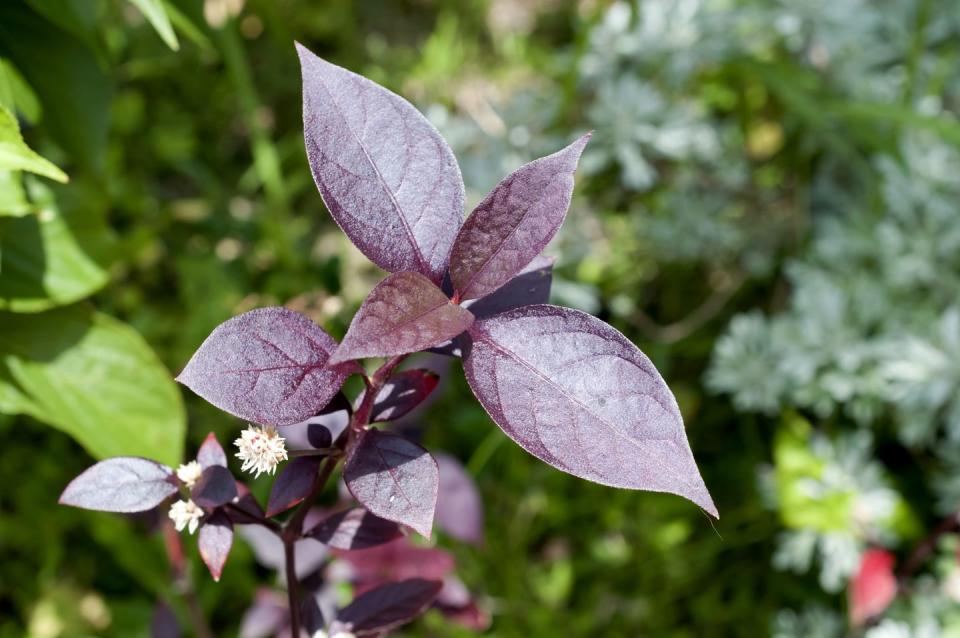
(182,583)
(266,522)
(293,587)
(374,384)
(292,530)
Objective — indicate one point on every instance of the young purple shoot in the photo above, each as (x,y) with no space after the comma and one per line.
(568,388)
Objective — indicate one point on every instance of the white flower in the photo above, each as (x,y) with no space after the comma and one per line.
(189,473)
(261,449)
(186,514)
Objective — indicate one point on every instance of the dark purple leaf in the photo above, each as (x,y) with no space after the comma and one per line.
(396,560)
(121,484)
(311,618)
(322,430)
(293,484)
(268,366)
(211,452)
(388,178)
(245,503)
(266,616)
(214,541)
(164,623)
(215,487)
(387,607)
(459,507)
(394,478)
(404,313)
(403,392)
(355,529)
(513,223)
(530,286)
(267,548)
(575,393)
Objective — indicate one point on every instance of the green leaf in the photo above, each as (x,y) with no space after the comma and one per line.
(42,260)
(94,378)
(13,200)
(154,11)
(66,76)
(17,156)
(13,400)
(16,94)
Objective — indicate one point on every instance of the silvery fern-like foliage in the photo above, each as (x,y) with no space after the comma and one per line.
(873,320)
(811,622)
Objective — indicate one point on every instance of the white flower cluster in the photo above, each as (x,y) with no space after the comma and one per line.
(186,514)
(261,449)
(189,473)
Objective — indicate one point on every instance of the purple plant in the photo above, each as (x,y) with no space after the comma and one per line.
(565,386)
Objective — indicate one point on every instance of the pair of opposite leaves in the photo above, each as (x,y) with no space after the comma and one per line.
(564,385)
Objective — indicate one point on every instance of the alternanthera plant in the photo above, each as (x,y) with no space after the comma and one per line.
(565,386)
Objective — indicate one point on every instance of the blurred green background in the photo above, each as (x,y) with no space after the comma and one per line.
(769,207)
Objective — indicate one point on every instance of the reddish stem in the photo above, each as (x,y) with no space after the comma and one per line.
(292,530)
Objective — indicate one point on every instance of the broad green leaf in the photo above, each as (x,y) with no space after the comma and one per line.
(42,261)
(155,12)
(15,155)
(13,199)
(16,94)
(96,379)
(67,77)
(13,400)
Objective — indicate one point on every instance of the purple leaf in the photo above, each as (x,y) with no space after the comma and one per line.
(121,484)
(266,616)
(396,560)
(268,366)
(246,503)
(387,607)
(530,286)
(403,392)
(293,484)
(216,487)
(394,478)
(355,529)
(164,623)
(211,453)
(404,313)
(323,429)
(575,393)
(214,541)
(513,223)
(459,507)
(311,618)
(388,178)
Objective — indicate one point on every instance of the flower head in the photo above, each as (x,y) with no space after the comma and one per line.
(189,473)
(261,449)
(186,514)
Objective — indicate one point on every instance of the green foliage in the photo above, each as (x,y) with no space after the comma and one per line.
(17,156)
(95,378)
